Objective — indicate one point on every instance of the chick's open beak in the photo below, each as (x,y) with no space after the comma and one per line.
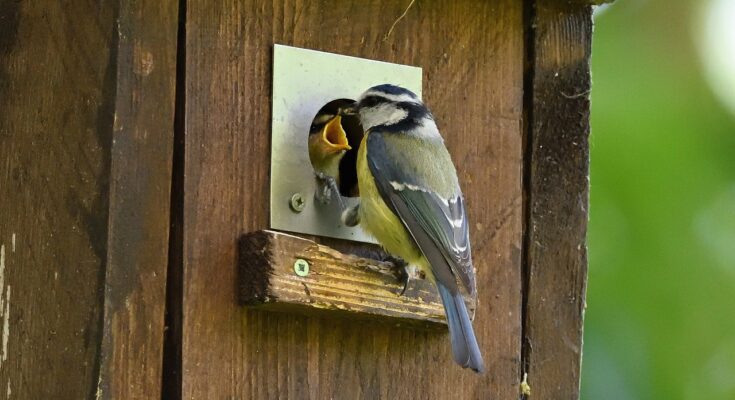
(334,136)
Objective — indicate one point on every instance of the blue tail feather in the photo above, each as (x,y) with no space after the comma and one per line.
(465,350)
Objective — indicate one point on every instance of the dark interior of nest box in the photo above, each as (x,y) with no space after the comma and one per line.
(354,131)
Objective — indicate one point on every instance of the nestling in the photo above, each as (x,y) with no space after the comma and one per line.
(410,200)
(327,145)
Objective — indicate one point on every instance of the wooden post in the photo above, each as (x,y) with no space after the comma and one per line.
(139,198)
(86,127)
(557,184)
(57,99)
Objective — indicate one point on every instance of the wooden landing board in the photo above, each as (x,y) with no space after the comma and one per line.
(281,272)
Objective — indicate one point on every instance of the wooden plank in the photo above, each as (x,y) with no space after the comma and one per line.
(332,283)
(472,55)
(558,187)
(57,97)
(84,222)
(140,181)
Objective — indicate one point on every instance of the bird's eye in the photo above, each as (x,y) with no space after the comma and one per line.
(370,101)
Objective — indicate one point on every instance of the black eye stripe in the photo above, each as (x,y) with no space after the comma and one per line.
(372,101)
(415,110)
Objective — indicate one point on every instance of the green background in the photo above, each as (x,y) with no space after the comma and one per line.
(660,321)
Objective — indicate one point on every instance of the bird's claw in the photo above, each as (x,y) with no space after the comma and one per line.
(326,188)
(401,270)
(323,193)
(325,185)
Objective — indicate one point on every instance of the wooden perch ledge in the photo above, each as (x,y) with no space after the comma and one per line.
(281,272)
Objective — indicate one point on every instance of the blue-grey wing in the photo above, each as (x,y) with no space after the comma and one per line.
(436,221)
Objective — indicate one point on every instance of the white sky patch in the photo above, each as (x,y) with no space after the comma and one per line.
(717,49)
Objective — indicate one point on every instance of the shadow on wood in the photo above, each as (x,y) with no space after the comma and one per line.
(281,272)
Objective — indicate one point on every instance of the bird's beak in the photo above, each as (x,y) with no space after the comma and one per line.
(334,136)
(348,111)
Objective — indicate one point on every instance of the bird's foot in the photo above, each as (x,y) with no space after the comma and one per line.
(401,269)
(323,195)
(326,188)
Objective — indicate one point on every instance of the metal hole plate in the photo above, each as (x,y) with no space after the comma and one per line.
(304,81)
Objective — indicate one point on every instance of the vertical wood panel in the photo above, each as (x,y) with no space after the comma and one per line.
(142,147)
(57,91)
(86,125)
(558,189)
(472,55)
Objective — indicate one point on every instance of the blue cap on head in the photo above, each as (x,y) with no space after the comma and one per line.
(387,88)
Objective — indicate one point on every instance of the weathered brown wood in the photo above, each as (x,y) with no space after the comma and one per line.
(558,171)
(57,97)
(140,181)
(86,121)
(336,283)
(472,55)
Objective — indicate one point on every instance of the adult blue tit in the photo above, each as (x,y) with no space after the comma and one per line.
(410,200)
(327,146)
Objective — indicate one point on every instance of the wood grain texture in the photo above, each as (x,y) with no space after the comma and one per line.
(140,182)
(558,199)
(86,93)
(336,284)
(57,97)
(472,55)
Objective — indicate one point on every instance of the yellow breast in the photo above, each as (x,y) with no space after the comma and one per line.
(378,220)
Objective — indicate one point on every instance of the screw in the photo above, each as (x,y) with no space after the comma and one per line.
(297,202)
(301,267)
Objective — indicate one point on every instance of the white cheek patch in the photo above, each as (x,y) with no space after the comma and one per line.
(426,129)
(383,114)
(393,115)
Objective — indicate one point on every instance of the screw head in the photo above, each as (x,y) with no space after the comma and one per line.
(301,267)
(297,202)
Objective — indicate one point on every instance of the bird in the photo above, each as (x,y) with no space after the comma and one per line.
(327,145)
(411,202)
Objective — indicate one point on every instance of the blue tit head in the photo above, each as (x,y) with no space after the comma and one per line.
(392,108)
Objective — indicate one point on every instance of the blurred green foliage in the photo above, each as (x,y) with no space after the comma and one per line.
(660,322)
